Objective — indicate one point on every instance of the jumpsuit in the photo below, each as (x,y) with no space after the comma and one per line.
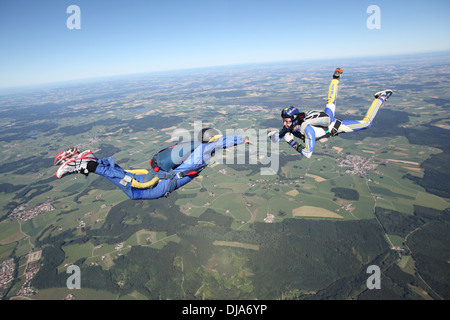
(318,124)
(125,180)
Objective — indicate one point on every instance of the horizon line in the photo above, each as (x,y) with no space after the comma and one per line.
(19,88)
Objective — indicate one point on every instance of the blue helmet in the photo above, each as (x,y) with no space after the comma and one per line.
(293,113)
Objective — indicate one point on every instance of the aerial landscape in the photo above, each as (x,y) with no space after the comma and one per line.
(307,229)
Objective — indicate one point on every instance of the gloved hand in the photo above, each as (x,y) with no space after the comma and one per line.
(273,135)
(289,137)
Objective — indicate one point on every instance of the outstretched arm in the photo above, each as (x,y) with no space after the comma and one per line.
(275,136)
(225,142)
(310,141)
(289,137)
(221,143)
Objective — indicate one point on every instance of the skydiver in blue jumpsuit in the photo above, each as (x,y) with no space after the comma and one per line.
(315,125)
(147,184)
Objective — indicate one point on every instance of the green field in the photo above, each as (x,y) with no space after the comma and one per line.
(209,239)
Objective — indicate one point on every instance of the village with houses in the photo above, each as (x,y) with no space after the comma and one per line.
(22,213)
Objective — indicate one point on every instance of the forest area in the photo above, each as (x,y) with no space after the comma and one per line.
(327,258)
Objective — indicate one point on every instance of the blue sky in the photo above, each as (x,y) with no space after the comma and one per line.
(137,36)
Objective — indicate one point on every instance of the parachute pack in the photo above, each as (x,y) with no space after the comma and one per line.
(166,160)
(169,158)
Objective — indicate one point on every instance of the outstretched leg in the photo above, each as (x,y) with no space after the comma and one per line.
(136,184)
(355,125)
(330,108)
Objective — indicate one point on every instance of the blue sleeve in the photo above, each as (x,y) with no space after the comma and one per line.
(223,142)
(231,141)
(208,149)
(282,133)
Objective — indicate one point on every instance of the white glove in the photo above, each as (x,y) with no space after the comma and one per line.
(289,137)
(273,135)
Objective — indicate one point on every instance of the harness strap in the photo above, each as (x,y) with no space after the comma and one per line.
(179,175)
(156,177)
(190,172)
(172,185)
(334,130)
